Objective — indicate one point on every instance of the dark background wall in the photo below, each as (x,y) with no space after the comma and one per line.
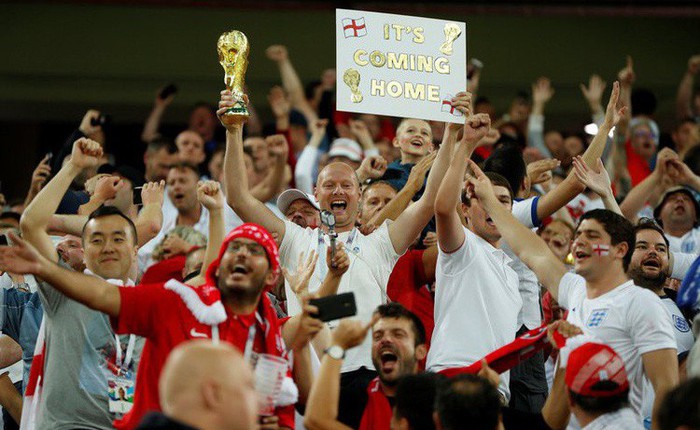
(58,59)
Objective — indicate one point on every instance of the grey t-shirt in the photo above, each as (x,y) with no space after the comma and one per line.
(80,351)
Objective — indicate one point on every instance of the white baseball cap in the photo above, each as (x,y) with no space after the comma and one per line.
(291,195)
(344,147)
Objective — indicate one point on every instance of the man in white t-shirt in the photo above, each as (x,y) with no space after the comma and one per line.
(372,257)
(528,383)
(649,269)
(476,291)
(600,297)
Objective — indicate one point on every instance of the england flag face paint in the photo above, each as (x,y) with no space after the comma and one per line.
(601,250)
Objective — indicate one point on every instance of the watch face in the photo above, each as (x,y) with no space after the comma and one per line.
(336,352)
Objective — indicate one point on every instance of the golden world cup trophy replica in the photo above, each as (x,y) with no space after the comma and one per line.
(233,57)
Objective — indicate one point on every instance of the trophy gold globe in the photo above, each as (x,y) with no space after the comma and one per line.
(233,56)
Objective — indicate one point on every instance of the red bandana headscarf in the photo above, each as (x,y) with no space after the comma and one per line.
(255,233)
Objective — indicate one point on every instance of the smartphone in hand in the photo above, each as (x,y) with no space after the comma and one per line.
(335,307)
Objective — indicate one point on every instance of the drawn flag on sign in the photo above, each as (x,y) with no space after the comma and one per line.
(446,106)
(354,27)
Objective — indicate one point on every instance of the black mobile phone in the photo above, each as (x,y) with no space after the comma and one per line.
(167,91)
(49,157)
(101,120)
(3,240)
(335,307)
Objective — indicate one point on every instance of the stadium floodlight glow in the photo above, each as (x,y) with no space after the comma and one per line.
(592,129)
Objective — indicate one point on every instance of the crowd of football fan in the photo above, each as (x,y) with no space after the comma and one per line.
(504,274)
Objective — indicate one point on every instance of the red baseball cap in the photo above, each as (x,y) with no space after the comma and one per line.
(595,370)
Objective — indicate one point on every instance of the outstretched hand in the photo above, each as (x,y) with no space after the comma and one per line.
(541,170)
(20,257)
(598,181)
(612,114)
(479,185)
(299,279)
(153,192)
(351,333)
(594,93)
(542,91)
(626,76)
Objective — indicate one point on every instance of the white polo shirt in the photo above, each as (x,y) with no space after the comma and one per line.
(372,259)
(630,319)
(476,305)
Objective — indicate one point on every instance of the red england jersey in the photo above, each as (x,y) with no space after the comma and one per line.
(408,285)
(171,313)
(377,415)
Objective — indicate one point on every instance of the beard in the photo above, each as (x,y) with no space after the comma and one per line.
(404,366)
(650,282)
(242,295)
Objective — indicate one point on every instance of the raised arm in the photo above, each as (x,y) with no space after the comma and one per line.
(67,224)
(398,204)
(598,181)
(542,92)
(211,197)
(104,187)
(150,220)
(39,177)
(290,81)
(304,170)
(247,207)
(411,222)
(685,88)
(361,132)
(273,182)
(529,247)
(653,185)
(571,187)
(322,407)
(36,217)
(152,124)
(91,291)
(448,220)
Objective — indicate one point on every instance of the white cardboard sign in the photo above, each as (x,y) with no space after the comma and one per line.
(398,65)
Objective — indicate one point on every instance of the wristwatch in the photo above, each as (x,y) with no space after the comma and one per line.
(335,352)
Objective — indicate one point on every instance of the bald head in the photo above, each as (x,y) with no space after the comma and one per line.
(208,386)
(338,167)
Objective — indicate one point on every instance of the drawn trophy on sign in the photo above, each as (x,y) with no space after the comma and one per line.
(452,32)
(351,77)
